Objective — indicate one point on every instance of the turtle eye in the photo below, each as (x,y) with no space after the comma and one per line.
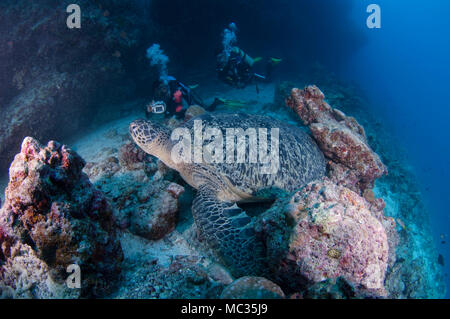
(138,128)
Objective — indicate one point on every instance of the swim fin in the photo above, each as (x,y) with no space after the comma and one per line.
(235,104)
(275,61)
(192,87)
(232,103)
(257,59)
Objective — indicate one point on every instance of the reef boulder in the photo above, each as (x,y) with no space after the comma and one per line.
(156,214)
(24,275)
(52,208)
(340,138)
(132,157)
(145,199)
(336,235)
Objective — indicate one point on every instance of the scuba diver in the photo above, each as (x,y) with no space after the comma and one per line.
(173,98)
(170,96)
(235,67)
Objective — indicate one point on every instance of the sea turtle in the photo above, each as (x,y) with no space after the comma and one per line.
(221,185)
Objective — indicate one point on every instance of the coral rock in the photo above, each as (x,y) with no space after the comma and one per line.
(51,206)
(341,138)
(24,275)
(335,235)
(308,104)
(253,288)
(145,202)
(157,216)
(132,157)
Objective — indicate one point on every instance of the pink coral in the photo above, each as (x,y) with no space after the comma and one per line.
(50,201)
(337,236)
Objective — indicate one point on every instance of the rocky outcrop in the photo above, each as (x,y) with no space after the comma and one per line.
(132,157)
(156,214)
(52,212)
(336,235)
(342,140)
(145,202)
(24,275)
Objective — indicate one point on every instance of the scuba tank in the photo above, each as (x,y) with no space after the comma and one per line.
(245,57)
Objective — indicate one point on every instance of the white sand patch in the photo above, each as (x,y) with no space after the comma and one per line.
(111,135)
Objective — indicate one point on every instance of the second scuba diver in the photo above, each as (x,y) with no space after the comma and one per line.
(235,67)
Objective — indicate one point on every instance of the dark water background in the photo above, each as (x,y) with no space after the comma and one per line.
(405,69)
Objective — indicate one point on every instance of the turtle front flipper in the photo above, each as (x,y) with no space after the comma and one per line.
(229,231)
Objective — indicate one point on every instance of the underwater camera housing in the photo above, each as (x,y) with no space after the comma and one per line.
(156,107)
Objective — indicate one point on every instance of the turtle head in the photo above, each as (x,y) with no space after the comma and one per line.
(151,137)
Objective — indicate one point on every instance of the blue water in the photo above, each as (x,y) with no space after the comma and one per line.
(405,69)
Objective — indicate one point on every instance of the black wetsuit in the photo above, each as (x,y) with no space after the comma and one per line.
(236,71)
